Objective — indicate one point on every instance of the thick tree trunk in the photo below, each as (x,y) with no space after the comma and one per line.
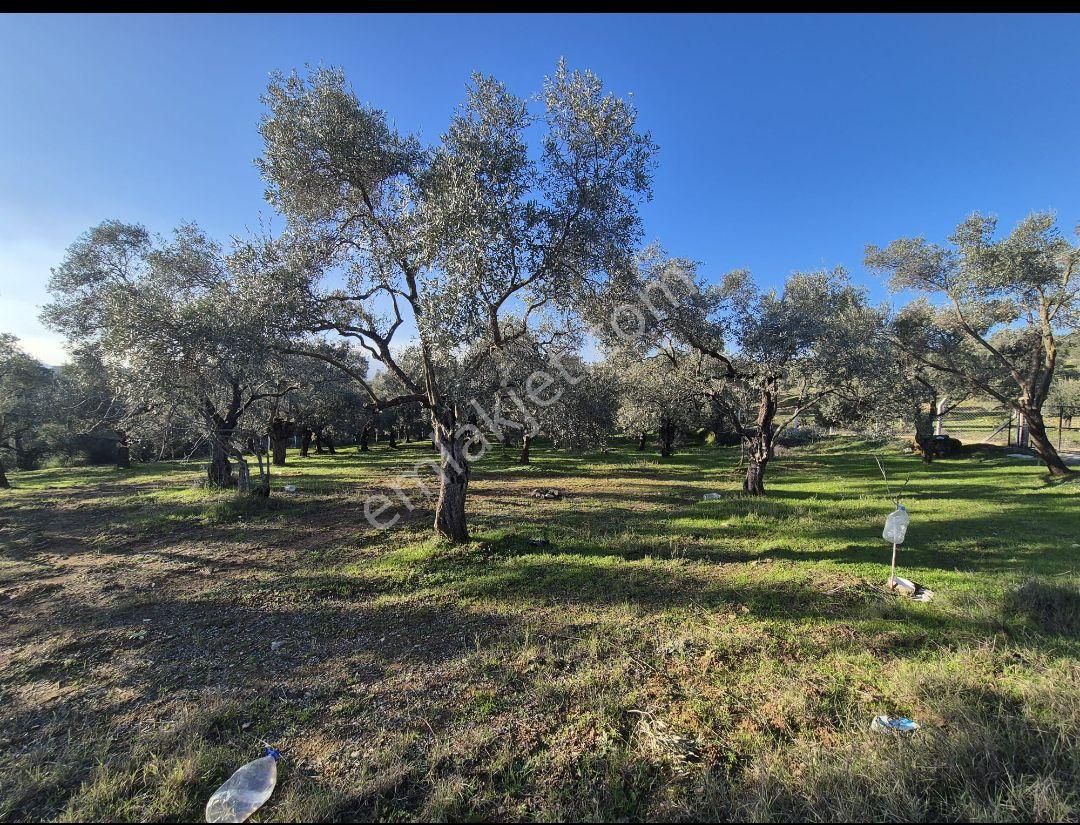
(123,455)
(667,437)
(279,445)
(760,443)
(4,483)
(759,453)
(219,470)
(392,436)
(1041,443)
(754,483)
(643,440)
(364,440)
(924,433)
(526,442)
(328,440)
(280,431)
(453,478)
(305,442)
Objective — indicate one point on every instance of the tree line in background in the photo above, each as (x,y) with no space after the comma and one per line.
(448,291)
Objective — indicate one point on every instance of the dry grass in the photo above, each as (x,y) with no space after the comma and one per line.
(653,657)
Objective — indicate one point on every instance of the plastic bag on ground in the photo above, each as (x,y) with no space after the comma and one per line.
(243,793)
(885,724)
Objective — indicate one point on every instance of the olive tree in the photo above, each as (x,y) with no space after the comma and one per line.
(773,355)
(1010,298)
(918,395)
(471,239)
(103,400)
(659,393)
(27,398)
(167,313)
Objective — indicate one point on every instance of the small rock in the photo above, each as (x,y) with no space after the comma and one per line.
(547,493)
(276,645)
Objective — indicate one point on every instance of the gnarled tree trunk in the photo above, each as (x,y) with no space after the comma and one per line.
(667,436)
(643,440)
(219,471)
(526,442)
(4,483)
(280,431)
(305,442)
(123,451)
(760,443)
(758,453)
(453,477)
(925,427)
(1041,443)
(364,440)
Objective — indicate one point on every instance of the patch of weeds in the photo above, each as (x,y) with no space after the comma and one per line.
(243,507)
(1053,607)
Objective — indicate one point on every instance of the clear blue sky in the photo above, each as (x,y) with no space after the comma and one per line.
(786,142)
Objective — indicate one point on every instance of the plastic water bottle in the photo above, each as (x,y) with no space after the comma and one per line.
(245,791)
(896,525)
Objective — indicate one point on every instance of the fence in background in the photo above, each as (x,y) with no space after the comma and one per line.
(984,425)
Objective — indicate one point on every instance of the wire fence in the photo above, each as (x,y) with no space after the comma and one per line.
(988,425)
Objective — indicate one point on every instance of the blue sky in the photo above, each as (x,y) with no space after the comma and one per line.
(786,142)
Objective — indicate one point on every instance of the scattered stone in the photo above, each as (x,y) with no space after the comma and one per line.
(547,493)
(275,646)
(289,488)
(540,542)
(711,497)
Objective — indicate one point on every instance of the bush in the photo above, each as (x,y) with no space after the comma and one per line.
(804,434)
(237,506)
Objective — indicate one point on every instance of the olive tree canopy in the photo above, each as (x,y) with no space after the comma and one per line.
(391,241)
(1010,298)
(168,315)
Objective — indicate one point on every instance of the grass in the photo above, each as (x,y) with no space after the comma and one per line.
(626,652)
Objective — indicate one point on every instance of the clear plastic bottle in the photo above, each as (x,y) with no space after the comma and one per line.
(245,791)
(896,525)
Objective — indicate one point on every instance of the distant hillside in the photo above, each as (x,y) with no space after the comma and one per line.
(1068,356)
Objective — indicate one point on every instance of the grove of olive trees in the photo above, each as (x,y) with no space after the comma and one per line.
(448,291)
